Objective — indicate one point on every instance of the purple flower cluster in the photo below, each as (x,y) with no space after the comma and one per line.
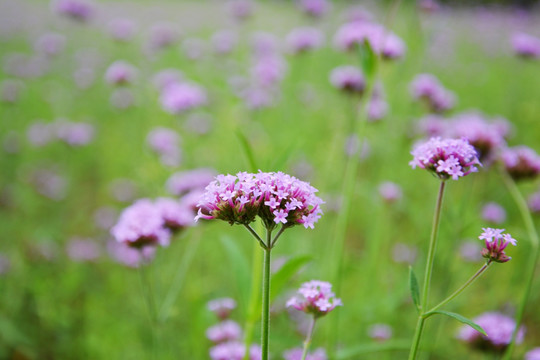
(165,142)
(80,10)
(177,98)
(355,33)
(120,73)
(496,242)
(493,213)
(534,202)
(224,41)
(533,354)
(50,44)
(130,256)
(499,329)
(241,9)
(380,332)
(315,297)
(526,45)
(521,162)
(227,330)
(428,88)
(71,133)
(148,222)
(348,78)
(275,197)
(446,158)
(296,354)
(121,30)
(390,192)
(304,39)
(222,307)
(234,351)
(162,35)
(183,182)
(314,8)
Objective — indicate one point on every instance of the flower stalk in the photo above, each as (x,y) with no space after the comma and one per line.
(309,335)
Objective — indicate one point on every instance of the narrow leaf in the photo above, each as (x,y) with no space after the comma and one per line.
(459,318)
(239,266)
(248,151)
(283,275)
(413,286)
(368,59)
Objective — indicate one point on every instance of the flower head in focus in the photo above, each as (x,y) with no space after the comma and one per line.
(446,158)
(496,241)
(315,297)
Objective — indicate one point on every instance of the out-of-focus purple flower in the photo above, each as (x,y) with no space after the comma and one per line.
(446,158)
(432,125)
(50,183)
(50,44)
(123,190)
(81,10)
(533,354)
(264,44)
(130,256)
(534,202)
(167,77)
(390,192)
(224,41)
(191,199)
(241,9)
(403,253)
(258,97)
(304,39)
(193,48)
(178,98)
(227,330)
(526,45)
(72,133)
(120,73)
(166,143)
(355,147)
(493,213)
(81,250)
(427,87)
(470,251)
(499,329)
(275,197)
(122,98)
(10,90)
(5,264)
(222,307)
(105,217)
(175,214)
(122,30)
(349,79)
(234,351)
(296,354)
(380,332)
(141,224)
(162,35)
(268,70)
(183,182)
(357,13)
(521,162)
(315,8)
(315,297)
(496,242)
(377,107)
(84,77)
(393,47)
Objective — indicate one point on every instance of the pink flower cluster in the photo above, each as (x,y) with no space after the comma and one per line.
(521,162)
(314,8)
(304,39)
(348,78)
(183,182)
(222,307)
(274,197)
(533,354)
(165,142)
(234,351)
(446,158)
(296,354)
(71,133)
(120,73)
(227,330)
(80,10)
(526,45)
(496,242)
(499,329)
(427,87)
(315,297)
(177,98)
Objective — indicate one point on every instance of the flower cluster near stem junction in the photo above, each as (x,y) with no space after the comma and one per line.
(315,297)
(274,197)
(496,242)
(446,158)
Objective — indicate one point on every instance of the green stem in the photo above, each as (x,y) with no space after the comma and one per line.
(150,303)
(309,335)
(463,287)
(254,299)
(265,330)
(254,233)
(428,271)
(533,258)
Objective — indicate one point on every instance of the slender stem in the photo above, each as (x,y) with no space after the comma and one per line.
(463,287)
(427,275)
(417,336)
(150,304)
(309,335)
(283,227)
(265,330)
(533,258)
(254,233)
(253,309)
(432,247)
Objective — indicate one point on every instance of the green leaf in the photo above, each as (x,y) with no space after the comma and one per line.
(283,275)
(248,151)
(413,286)
(362,349)
(368,59)
(459,318)
(239,266)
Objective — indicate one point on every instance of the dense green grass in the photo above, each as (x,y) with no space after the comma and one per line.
(60,309)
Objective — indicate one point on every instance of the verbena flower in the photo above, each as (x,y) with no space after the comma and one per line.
(130,256)
(493,213)
(526,45)
(274,197)
(80,10)
(446,158)
(521,162)
(234,351)
(222,307)
(315,297)
(427,87)
(121,30)
(227,330)
(241,9)
(390,192)
(50,44)
(296,354)
(141,224)
(534,202)
(496,241)
(499,329)
(349,79)
(162,35)
(120,73)
(165,142)
(82,250)
(183,182)
(167,77)
(224,41)
(380,332)
(533,354)
(304,39)
(176,216)
(315,8)
(180,97)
